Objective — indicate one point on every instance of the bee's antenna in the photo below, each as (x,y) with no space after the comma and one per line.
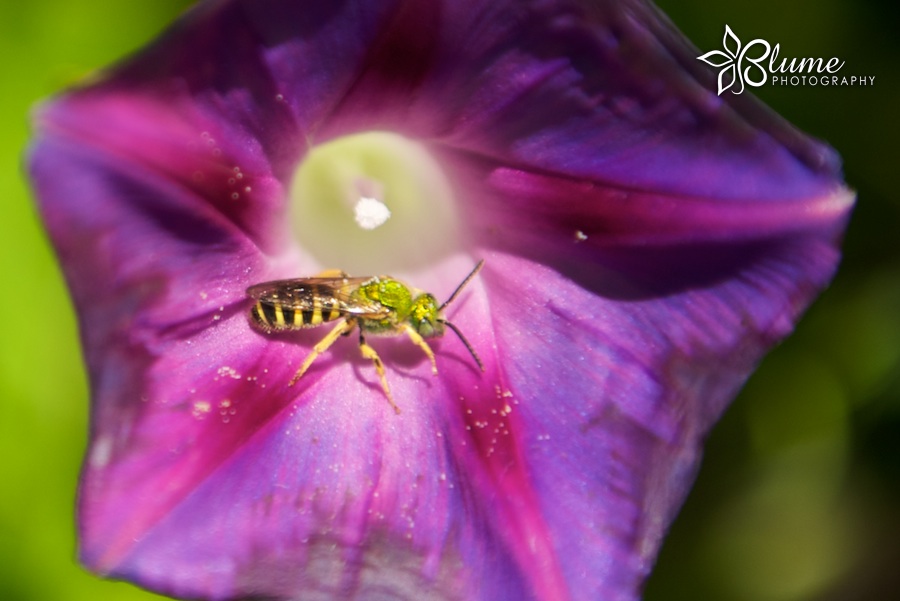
(460,334)
(456,293)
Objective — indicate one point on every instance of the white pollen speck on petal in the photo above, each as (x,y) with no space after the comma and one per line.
(228,372)
(371,213)
(200,409)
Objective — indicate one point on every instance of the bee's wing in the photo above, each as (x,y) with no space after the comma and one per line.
(307,293)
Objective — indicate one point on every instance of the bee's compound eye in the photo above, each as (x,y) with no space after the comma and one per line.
(430,329)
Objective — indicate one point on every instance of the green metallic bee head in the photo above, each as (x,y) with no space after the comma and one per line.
(428,319)
(425,316)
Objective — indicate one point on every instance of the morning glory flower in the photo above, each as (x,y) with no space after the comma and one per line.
(645,242)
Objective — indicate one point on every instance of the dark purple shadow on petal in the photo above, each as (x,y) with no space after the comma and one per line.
(403,54)
(280,22)
(132,234)
(136,134)
(320,53)
(242,100)
(384,93)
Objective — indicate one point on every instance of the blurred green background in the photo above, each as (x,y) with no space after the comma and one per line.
(799,494)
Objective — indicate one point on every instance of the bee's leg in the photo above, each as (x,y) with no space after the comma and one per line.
(342,328)
(369,353)
(420,342)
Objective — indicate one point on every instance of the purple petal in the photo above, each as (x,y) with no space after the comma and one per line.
(545,209)
(627,389)
(646,242)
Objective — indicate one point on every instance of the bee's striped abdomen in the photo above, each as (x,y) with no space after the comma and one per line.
(263,315)
(317,308)
(331,309)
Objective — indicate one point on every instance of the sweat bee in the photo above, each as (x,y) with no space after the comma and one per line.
(379,305)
